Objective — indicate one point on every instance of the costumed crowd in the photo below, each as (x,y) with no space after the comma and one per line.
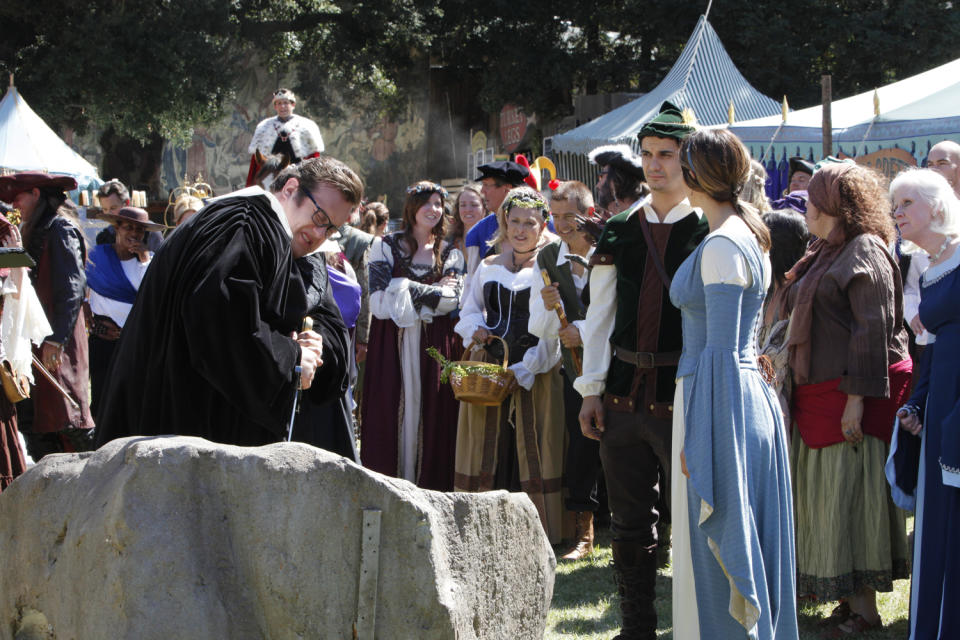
(762,390)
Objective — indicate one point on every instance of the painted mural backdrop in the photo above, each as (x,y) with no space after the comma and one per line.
(388,154)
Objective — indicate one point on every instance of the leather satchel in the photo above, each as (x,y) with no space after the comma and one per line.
(15,386)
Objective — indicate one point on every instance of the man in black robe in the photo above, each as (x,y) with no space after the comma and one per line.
(207,348)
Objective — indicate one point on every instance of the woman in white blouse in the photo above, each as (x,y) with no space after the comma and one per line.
(491,454)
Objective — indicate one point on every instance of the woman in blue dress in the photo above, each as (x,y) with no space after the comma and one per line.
(924,463)
(735,457)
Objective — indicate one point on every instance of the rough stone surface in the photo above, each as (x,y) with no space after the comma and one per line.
(182,538)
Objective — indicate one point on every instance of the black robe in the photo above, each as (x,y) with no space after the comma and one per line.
(206,350)
(323,422)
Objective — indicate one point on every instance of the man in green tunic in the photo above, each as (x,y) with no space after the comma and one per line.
(632,343)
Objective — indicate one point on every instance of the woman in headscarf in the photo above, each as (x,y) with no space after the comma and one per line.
(851,370)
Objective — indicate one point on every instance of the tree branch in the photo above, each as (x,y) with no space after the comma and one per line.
(254,29)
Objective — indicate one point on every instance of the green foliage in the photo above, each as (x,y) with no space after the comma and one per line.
(142,67)
(160,67)
(456,370)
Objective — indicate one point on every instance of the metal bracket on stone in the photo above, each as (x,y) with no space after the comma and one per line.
(365,624)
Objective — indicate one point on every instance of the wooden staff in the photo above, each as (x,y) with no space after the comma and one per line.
(563,323)
(56,383)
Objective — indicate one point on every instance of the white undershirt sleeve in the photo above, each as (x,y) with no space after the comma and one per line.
(597,329)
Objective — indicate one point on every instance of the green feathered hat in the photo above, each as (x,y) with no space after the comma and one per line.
(671,122)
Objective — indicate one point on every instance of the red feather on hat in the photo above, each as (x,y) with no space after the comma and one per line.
(530,179)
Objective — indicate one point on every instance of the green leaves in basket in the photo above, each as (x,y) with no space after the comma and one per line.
(458,370)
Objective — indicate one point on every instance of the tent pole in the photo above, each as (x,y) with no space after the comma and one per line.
(826,93)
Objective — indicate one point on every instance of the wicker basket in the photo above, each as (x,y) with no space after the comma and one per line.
(487,390)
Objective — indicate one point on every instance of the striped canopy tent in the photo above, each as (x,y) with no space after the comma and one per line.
(910,115)
(704,79)
(28,144)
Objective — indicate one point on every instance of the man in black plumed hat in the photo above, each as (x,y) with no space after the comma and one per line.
(632,342)
(496,180)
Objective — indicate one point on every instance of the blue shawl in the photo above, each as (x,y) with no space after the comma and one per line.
(105,275)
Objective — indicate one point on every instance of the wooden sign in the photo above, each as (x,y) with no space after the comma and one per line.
(513,126)
(889,162)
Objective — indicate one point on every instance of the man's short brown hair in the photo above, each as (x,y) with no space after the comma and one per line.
(113,188)
(576,192)
(323,170)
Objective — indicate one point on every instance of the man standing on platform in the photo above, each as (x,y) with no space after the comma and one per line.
(632,343)
(207,348)
(296,137)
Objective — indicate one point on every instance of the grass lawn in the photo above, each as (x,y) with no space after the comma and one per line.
(585,603)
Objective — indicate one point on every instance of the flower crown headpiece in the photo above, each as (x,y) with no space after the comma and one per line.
(428,187)
(526,201)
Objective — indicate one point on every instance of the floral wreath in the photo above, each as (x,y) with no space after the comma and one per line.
(428,187)
(526,201)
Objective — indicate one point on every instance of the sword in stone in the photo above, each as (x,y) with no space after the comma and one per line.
(307,326)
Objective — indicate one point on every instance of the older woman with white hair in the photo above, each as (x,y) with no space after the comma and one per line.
(924,463)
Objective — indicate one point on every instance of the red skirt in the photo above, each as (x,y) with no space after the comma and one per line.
(818,408)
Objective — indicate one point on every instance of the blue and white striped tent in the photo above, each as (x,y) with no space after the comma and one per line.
(704,79)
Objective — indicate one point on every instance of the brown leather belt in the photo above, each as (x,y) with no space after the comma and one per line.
(647,359)
(105,328)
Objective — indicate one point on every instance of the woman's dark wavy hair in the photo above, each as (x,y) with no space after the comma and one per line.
(413,203)
(789,237)
(715,162)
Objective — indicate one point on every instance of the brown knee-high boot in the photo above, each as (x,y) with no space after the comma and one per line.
(582,539)
(635,569)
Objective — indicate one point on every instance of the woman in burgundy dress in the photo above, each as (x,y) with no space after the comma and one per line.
(409,426)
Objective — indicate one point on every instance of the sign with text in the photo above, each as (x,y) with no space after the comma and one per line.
(513,126)
(889,162)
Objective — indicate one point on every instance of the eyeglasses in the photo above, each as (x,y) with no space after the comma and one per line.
(328,227)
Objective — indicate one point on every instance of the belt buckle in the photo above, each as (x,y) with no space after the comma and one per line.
(644,360)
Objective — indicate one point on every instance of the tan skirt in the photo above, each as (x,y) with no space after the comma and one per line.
(850,535)
(537,418)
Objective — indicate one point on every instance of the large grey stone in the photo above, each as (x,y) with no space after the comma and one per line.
(182,538)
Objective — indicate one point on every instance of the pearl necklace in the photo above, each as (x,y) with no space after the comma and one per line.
(943,247)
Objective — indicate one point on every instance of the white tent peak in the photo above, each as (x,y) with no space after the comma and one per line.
(704,78)
(27,143)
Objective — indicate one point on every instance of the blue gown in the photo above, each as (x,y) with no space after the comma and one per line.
(925,471)
(739,495)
